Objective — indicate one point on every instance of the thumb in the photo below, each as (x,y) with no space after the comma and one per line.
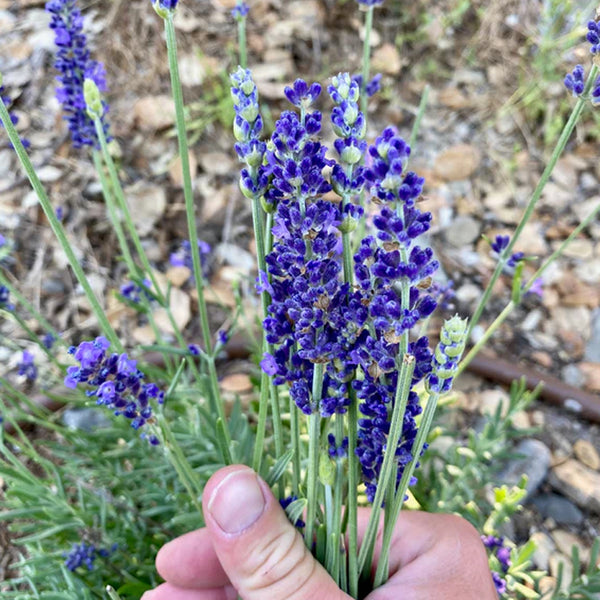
(260,550)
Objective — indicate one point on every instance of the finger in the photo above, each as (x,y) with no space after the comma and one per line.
(260,550)
(189,561)
(167,591)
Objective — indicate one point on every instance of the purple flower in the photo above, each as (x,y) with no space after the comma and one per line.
(115,381)
(133,292)
(593,36)
(240,11)
(74,64)
(596,91)
(262,283)
(268,364)
(165,4)
(2,241)
(372,86)
(48,340)
(182,257)
(370,2)
(574,81)
(83,554)
(301,95)
(336,451)
(222,336)
(537,287)
(27,367)
(285,502)
(501,552)
(453,337)
(500,243)
(4,299)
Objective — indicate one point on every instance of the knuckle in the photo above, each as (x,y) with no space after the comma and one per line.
(282,561)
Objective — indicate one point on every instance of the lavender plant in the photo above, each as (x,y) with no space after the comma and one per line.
(345,280)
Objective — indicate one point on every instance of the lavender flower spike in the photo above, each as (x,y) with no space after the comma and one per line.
(163,7)
(74,64)
(240,11)
(453,337)
(574,81)
(370,2)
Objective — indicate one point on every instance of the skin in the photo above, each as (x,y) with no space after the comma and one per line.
(432,556)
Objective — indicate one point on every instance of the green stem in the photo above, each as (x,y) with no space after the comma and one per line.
(366,61)
(382,572)
(336,533)
(263,406)
(189,208)
(419,117)
(295,436)
(352,502)
(110,204)
(314,439)
(58,229)
(537,193)
(365,557)
(242,46)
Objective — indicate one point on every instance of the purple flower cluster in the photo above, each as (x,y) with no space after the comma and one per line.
(247,128)
(240,11)
(27,367)
(574,81)
(285,502)
(447,354)
(316,319)
(165,4)
(74,64)
(182,257)
(133,292)
(13,118)
(372,87)
(500,244)
(501,551)
(370,2)
(593,36)
(5,303)
(85,554)
(116,382)
(337,451)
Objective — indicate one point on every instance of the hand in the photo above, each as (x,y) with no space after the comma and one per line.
(249,547)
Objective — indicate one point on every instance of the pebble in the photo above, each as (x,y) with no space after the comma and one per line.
(534,462)
(565,540)
(147,204)
(544,547)
(236,383)
(557,507)
(588,182)
(589,271)
(579,248)
(155,112)
(577,482)
(456,163)
(587,454)
(592,348)
(85,419)
(572,375)
(48,173)
(591,370)
(463,231)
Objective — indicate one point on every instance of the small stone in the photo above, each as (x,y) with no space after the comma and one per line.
(175,172)
(538,418)
(387,60)
(468,293)
(592,349)
(580,248)
(591,372)
(216,163)
(531,241)
(572,375)
(178,275)
(147,204)
(463,231)
(153,113)
(579,483)
(565,540)
(181,311)
(586,207)
(547,585)
(489,400)
(236,383)
(520,420)
(565,174)
(543,550)
(589,271)
(457,163)
(534,462)
(48,173)
(542,358)
(557,507)
(191,70)
(587,454)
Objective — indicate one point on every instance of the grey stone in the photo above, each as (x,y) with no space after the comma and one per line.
(592,348)
(557,507)
(533,460)
(572,375)
(465,230)
(85,419)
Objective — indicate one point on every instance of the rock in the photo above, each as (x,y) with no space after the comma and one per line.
(591,372)
(191,69)
(592,349)
(387,60)
(458,162)
(587,454)
(489,400)
(572,375)
(558,508)
(463,231)
(217,163)
(532,241)
(520,420)
(147,204)
(48,173)
(175,172)
(589,271)
(577,482)
(576,319)
(533,462)
(565,174)
(180,309)
(547,585)
(236,383)
(586,207)
(579,248)
(468,293)
(153,113)
(85,419)
(544,547)
(565,540)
